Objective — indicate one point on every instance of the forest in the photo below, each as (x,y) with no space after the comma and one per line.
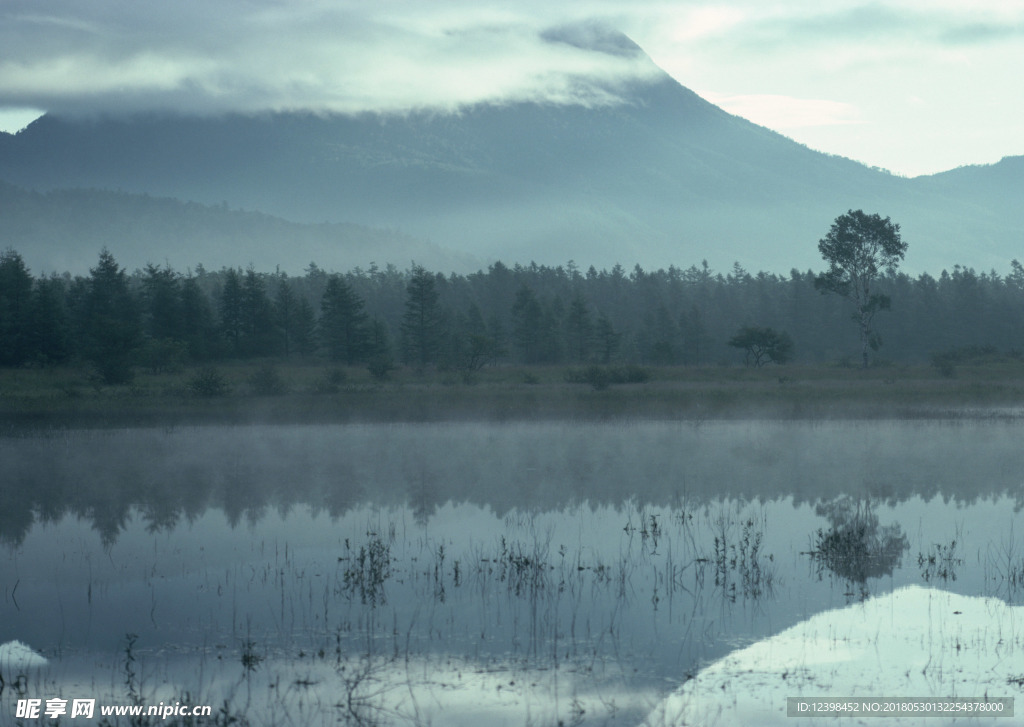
(159,318)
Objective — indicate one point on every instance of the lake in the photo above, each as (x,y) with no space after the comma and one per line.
(513,573)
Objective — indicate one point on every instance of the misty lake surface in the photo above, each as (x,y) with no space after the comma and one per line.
(497,573)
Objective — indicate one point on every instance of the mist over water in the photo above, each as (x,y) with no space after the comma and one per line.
(566,566)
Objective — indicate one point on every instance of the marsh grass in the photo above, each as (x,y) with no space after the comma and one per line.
(941,561)
(367,570)
(1004,568)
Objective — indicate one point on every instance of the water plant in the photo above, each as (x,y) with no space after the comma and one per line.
(741,567)
(367,570)
(940,561)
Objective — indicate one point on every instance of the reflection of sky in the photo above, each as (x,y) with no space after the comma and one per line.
(618,601)
(911,643)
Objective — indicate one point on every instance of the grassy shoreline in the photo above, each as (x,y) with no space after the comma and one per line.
(314,393)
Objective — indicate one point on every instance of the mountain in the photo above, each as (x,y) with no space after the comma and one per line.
(661,178)
(64,230)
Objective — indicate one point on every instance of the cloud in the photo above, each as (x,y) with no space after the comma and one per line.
(786,112)
(875,24)
(395,55)
(820,68)
(256,55)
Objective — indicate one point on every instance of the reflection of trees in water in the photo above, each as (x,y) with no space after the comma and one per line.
(167,477)
(422,497)
(854,546)
(16,515)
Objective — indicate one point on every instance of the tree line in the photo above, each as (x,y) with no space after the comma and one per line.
(380,317)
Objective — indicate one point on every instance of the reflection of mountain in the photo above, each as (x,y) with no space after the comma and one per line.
(911,643)
(16,661)
(103,475)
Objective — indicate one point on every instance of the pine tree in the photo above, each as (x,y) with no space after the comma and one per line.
(231,317)
(51,340)
(15,310)
(196,326)
(422,323)
(342,323)
(579,329)
(112,327)
(286,315)
(304,333)
(527,320)
(380,360)
(161,292)
(608,340)
(535,328)
(257,316)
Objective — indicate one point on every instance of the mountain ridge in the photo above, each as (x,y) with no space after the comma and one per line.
(73,225)
(664,177)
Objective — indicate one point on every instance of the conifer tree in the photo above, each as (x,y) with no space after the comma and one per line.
(579,329)
(422,322)
(231,317)
(343,323)
(15,310)
(112,327)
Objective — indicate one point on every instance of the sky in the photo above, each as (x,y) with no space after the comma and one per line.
(912,86)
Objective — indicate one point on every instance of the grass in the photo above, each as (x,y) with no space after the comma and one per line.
(315,392)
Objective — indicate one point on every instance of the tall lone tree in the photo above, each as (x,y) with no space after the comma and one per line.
(857,248)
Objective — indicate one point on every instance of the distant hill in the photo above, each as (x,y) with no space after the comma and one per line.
(662,178)
(64,230)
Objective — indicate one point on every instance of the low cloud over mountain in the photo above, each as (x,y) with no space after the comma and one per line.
(636,169)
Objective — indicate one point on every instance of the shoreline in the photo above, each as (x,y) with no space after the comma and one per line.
(42,399)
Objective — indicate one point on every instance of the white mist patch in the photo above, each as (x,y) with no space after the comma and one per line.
(914,642)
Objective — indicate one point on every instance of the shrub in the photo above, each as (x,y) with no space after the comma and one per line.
(601,377)
(112,371)
(330,382)
(267,382)
(947,361)
(633,374)
(598,377)
(208,382)
(761,345)
(380,367)
(162,355)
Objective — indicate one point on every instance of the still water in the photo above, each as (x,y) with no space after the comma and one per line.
(528,573)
